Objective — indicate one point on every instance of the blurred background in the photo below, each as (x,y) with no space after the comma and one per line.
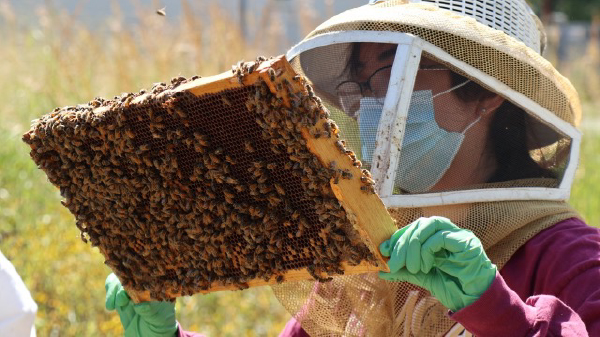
(57,53)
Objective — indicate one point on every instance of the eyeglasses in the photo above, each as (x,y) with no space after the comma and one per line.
(350,92)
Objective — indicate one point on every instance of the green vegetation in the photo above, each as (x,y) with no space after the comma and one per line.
(576,10)
(60,62)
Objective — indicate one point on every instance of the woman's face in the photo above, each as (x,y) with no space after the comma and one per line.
(474,162)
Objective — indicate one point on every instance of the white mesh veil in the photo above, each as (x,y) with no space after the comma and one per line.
(540,108)
(454,111)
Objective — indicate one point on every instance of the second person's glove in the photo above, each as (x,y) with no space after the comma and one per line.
(148,319)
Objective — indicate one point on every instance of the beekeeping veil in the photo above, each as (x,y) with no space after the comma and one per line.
(456,113)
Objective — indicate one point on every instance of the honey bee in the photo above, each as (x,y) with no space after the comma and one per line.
(161,11)
(346,174)
(279,189)
(271,73)
(251,66)
(368,188)
(340,144)
(225,100)
(242,286)
(248,146)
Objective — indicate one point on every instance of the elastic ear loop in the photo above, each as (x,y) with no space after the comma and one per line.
(472,123)
(454,88)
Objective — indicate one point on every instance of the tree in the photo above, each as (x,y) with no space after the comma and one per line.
(576,10)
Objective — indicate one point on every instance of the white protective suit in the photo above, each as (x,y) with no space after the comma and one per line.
(17,308)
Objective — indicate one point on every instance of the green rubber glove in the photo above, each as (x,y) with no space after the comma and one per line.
(435,254)
(148,319)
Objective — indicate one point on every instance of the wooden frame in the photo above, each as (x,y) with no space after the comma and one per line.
(366,211)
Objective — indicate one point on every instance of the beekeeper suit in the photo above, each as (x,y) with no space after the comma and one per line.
(470,135)
(17,308)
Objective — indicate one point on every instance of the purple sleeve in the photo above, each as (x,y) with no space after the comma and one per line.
(549,287)
(501,312)
(293,329)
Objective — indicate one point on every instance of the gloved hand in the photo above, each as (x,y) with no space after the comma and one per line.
(148,319)
(435,254)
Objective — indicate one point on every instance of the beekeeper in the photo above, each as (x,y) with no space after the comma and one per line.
(471,137)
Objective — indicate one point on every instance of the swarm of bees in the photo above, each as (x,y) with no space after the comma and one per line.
(183,191)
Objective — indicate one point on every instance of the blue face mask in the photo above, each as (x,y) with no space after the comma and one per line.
(427,150)
(369,114)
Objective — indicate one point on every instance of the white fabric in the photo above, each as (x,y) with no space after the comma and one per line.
(17,308)
(513,17)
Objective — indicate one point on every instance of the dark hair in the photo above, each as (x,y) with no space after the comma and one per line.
(508,136)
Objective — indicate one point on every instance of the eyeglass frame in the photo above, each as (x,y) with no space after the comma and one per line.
(366,84)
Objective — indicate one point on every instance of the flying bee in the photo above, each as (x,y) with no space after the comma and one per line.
(162,11)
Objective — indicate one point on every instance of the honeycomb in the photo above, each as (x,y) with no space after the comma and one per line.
(208,184)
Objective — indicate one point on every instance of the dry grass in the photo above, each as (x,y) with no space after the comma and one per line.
(59,61)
